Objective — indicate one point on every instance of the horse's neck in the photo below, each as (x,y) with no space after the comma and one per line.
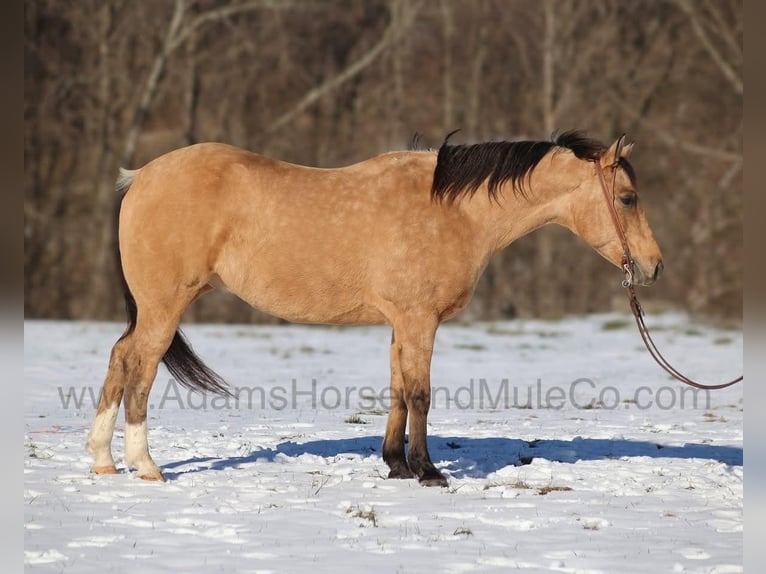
(513,216)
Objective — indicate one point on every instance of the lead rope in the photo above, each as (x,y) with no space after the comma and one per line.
(635,305)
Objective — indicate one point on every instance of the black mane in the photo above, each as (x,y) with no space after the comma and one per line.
(462,169)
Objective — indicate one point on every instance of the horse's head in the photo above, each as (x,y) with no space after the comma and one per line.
(594,221)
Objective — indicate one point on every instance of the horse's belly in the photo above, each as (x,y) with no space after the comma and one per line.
(319,312)
(362,315)
(304,301)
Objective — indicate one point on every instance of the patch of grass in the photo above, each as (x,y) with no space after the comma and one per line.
(471,346)
(494,330)
(713,418)
(35,451)
(462,531)
(32,448)
(376,412)
(317,484)
(501,332)
(242,333)
(308,349)
(284,354)
(546,489)
(355,420)
(340,328)
(523,485)
(615,324)
(549,334)
(519,484)
(723,341)
(368,515)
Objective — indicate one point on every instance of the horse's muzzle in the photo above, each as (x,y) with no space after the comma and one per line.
(647,279)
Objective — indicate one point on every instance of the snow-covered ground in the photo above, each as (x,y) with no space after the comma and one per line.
(567,449)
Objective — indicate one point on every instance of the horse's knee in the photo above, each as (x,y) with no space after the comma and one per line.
(418,398)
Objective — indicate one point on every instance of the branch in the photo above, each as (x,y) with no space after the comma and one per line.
(707,43)
(392,33)
(219,14)
(730,174)
(152,83)
(548,66)
(176,35)
(671,141)
(725,31)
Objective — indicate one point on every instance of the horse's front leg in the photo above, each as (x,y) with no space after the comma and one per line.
(393,443)
(414,344)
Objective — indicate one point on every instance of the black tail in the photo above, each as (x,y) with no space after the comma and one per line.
(184,365)
(189,370)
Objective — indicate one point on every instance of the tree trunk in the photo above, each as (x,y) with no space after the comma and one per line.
(549,296)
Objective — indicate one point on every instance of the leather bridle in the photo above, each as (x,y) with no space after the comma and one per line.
(628,266)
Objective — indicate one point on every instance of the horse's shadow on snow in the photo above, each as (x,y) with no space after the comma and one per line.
(465,457)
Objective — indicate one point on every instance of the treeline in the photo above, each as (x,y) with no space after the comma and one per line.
(329,82)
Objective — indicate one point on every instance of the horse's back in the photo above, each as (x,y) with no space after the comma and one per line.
(213,167)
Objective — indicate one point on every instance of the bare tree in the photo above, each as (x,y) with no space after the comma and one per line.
(116,83)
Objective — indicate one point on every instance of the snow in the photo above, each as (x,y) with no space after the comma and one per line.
(567,450)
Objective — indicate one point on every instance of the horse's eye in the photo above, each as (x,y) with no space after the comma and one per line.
(628,200)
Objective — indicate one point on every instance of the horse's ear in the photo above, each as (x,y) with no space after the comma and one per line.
(617,150)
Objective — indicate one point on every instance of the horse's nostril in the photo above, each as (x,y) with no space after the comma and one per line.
(658,270)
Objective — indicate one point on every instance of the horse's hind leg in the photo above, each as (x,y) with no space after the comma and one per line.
(155,328)
(100,437)
(132,368)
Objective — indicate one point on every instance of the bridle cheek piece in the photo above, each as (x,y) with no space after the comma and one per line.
(628,266)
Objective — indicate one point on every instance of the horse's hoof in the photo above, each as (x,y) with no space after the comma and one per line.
(401,473)
(109,469)
(156,476)
(433,480)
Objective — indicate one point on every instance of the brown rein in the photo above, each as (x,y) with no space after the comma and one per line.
(635,306)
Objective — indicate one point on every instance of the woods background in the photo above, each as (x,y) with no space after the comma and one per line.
(331,82)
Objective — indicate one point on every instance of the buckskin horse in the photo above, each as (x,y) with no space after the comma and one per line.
(399,239)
